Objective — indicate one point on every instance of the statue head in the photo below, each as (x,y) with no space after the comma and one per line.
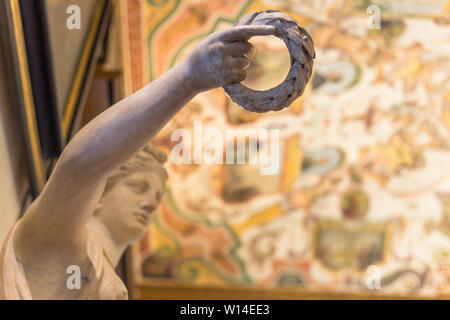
(132,194)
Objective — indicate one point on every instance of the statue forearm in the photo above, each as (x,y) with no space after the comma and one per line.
(116,134)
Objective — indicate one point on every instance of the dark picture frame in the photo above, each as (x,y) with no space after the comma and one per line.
(47,123)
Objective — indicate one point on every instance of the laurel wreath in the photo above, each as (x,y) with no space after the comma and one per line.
(301,50)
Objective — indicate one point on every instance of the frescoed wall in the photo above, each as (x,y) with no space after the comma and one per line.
(364,180)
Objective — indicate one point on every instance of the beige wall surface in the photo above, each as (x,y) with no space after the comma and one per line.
(13,172)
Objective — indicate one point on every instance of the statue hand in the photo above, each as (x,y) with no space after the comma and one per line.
(220,59)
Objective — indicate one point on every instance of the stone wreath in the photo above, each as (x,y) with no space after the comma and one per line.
(301,50)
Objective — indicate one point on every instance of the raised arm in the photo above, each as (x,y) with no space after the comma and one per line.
(57,217)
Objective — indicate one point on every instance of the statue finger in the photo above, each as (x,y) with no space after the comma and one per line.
(240,62)
(248,31)
(237,75)
(239,48)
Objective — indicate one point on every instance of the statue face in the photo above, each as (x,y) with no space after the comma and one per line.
(128,207)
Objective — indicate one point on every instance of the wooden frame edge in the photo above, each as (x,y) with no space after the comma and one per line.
(23,91)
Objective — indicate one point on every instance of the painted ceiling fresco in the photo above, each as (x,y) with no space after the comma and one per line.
(365,155)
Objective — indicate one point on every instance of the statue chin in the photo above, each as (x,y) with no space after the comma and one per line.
(125,232)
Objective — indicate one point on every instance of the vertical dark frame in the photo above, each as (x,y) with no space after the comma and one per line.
(41,75)
(26,42)
(16,55)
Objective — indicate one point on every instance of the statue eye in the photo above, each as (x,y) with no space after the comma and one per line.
(138,187)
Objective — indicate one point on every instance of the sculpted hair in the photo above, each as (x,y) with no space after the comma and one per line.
(148,159)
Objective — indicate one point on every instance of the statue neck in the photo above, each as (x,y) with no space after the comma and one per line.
(113,248)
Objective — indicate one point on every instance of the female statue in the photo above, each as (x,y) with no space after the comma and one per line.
(104,187)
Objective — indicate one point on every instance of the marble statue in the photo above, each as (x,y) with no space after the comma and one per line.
(80,218)
(104,187)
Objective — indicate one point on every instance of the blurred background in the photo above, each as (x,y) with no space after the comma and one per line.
(361,205)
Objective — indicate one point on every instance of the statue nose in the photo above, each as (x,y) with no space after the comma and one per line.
(147,207)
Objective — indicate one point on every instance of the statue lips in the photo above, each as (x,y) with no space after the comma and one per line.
(144,213)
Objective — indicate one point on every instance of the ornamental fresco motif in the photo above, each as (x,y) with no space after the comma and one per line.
(364,154)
